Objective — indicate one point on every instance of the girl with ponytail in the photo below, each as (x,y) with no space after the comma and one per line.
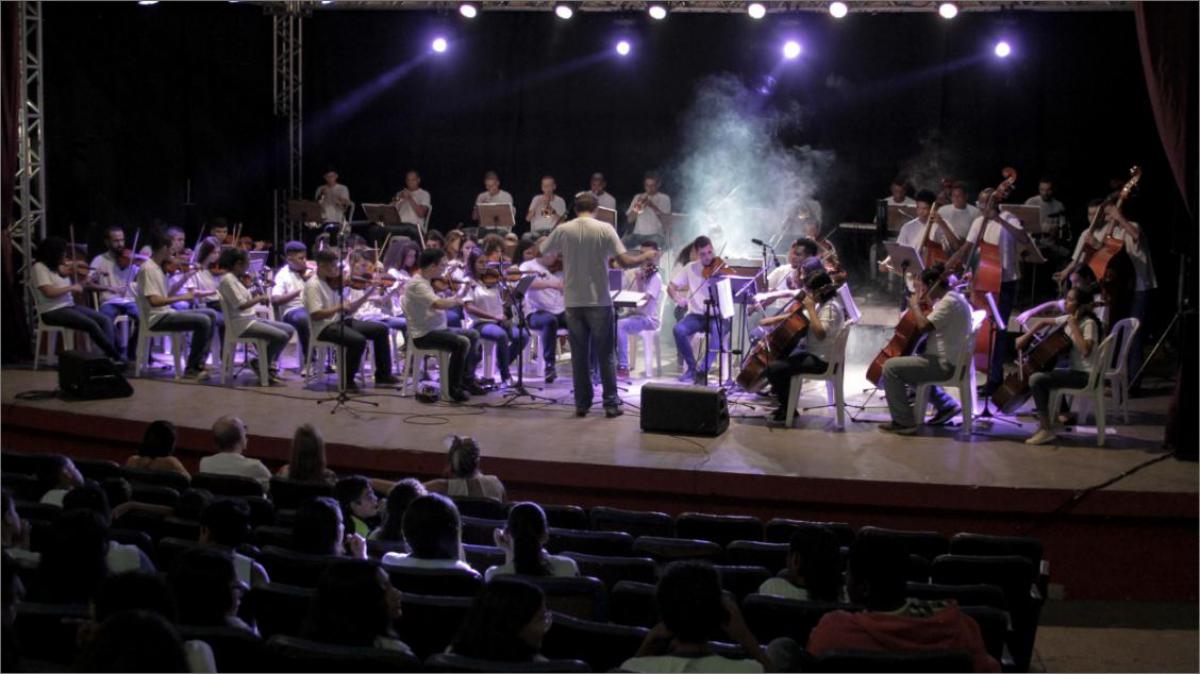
(522,539)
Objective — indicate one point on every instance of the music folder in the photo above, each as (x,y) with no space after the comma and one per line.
(1029,215)
(628,299)
(303,210)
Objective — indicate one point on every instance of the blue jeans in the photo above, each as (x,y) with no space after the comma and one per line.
(98,326)
(625,327)
(454,317)
(353,335)
(298,319)
(509,342)
(200,323)
(591,328)
(463,346)
(690,325)
(546,325)
(277,334)
(115,309)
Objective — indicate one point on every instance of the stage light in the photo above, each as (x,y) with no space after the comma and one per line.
(1002,49)
(326,2)
(756,10)
(147,3)
(439,44)
(948,10)
(791,49)
(468,10)
(564,11)
(657,12)
(623,48)
(838,9)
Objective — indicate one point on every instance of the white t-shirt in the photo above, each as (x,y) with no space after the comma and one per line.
(318,296)
(1139,254)
(675,663)
(911,233)
(232,463)
(114,277)
(331,211)
(122,558)
(151,281)
(606,200)
(204,280)
(647,222)
(234,293)
(545,299)
(403,560)
(1091,333)
(1050,212)
(779,587)
(951,318)
(288,281)
(779,276)
(959,219)
(409,214)
(652,287)
(485,299)
(41,275)
(907,201)
(541,223)
(423,319)
(585,244)
(485,197)
(687,279)
(996,234)
(560,567)
(832,316)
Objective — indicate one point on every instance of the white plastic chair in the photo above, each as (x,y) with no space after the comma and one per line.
(651,350)
(414,362)
(833,377)
(1117,371)
(848,303)
(327,347)
(1094,389)
(229,348)
(120,324)
(961,378)
(146,336)
(52,333)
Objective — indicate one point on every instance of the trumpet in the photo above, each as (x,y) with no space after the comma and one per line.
(548,209)
(639,204)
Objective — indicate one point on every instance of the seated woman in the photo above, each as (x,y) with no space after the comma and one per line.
(506,622)
(813,570)
(157,451)
(360,505)
(1084,330)
(402,494)
(522,540)
(463,475)
(433,531)
(812,355)
(355,605)
(307,463)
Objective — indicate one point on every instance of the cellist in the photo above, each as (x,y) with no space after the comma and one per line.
(1084,329)
(825,318)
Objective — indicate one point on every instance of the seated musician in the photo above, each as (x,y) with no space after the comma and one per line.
(1081,276)
(484,303)
(426,314)
(324,303)
(203,282)
(912,233)
(545,307)
(784,277)
(643,279)
(379,307)
(116,284)
(164,317)
(54,297)
(287,293)
(688,288)
(948,325)
(811,356)
(242,301)
(1084,329)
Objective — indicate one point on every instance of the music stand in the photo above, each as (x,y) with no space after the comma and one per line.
(306,212)
(897,215)
(605,214)
(904,258)
(1029,215)
(496,217)
(997,321)
(517,293)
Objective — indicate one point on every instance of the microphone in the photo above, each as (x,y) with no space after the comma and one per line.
(760,243)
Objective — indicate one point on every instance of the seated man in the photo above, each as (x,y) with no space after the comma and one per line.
(229,438)
(164,318)
(949,325)
(893,622)
(644,279)
(690,288)
(239,299)
(814,569)
(288,293)
(545,307)
(427,326)
(116,287)
(812,354)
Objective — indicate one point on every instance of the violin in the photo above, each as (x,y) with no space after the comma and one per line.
(372,280)
(491,276)
(248,243)
(717,267)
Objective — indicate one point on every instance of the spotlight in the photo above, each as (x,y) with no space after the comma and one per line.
(838,9)
(791,49)
(326,2)
(756,10)
(623,48)
(439,44)
(147,3)
(468,10)
(657,12)
(948,10)
(1002,49)
(563,11)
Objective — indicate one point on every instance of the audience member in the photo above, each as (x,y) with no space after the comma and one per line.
(58,477)
(318,530)
(15,535)
(307,463)
(207,590)
(813,569)
(360,505)
(463,477)
(225,524)
(192,503)
(134,641)
(522,539)
(433,532)
(229,438)
(402,494)
(355,605)
(894,622)
(74,559)
(157,451)
(506,622)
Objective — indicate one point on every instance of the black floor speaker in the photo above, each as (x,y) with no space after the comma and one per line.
(86,376)
(684,410)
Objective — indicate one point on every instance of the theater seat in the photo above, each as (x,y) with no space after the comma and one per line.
(443,582)
(289,494)
(769,617)
(741,580)
(280,608)
(378,548)
(428,623)
(295,568)
(604,646)
(925,544)
(612,570)
(49,631)
(1015,576)
(720,529)
(632,603)
(993,626)
(780,530)
(155,494)
(862,661)
(227,485)
(607,543)
(234,649)
(27,463)
(276,536)
(581,597)
(566,517)
(479,531)
(481,507)
(481,557)
(634,522)
(161,478)
(965,595)
(448,662)
(21,486)
(665,550)
(97,469)
(291,654)
(773,556)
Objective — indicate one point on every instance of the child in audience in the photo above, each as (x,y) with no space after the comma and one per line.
(433,531)
(207,590)
(463,477)
(893,622)
(157,451)
(120,556)
(225,525)
(318,530)
(360,505)
(58,477)
(355,605)
(401,494)
(522,540)
(307,463)
(813,569)
(506,622)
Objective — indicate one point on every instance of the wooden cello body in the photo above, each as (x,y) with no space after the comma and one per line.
(903,342)
(1042,357)
(777,343)
(986,279)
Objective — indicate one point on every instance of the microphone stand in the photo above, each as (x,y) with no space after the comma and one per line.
(343,398)
(519,390)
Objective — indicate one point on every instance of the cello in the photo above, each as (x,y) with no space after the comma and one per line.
(1042,357)
(777,343)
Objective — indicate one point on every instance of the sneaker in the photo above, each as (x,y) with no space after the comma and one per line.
(1042,437)
(551,375)
(892,427)
(195,375)
(623,374)
(506,382)
(944,415)
(613,412)
(475,389)
(688,375)
(581,411)
(386,380)
(459,396)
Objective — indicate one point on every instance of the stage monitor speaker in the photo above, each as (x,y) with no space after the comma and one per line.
(85,376)
(684,410)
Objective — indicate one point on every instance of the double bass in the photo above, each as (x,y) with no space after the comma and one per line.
(1109,260)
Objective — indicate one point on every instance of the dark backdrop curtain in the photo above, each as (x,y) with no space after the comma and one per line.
(15,336)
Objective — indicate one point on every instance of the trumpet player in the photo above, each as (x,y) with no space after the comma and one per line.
(646,213)
(546,210)
(491,194)
(413,205)
(334,198)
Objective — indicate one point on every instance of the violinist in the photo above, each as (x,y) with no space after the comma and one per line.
(117,268)
(485,305)
(811,356)
(803,257)
(688,288)
(545,306)
(242,301)
(949,326)
(324,300)
(1084,330)
(53,293)
(364,276)
(647,212)
(426,314)
(287,292)
(643,279)
(203,280)
(455,243)
(164,317)
(218,228)
(547,209)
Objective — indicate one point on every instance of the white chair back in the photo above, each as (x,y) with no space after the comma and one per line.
(1124,332)
(848,303)
(1098,359)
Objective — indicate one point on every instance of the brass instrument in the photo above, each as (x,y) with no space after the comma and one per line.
(639,204)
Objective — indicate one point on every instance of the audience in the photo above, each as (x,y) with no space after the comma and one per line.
(894,622)
(229,438)
(15,535)
(506,622)
(58,477)
(307,463)
(134,641)
(318,530)
(813,569)
(360,505)
(355,605)
(120,556)
(225,525)
(463,477)
(433,532)
(401,494)
(192,503)
(207,589)
(74,559)
(522,539)
(692,609)
(157,451)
